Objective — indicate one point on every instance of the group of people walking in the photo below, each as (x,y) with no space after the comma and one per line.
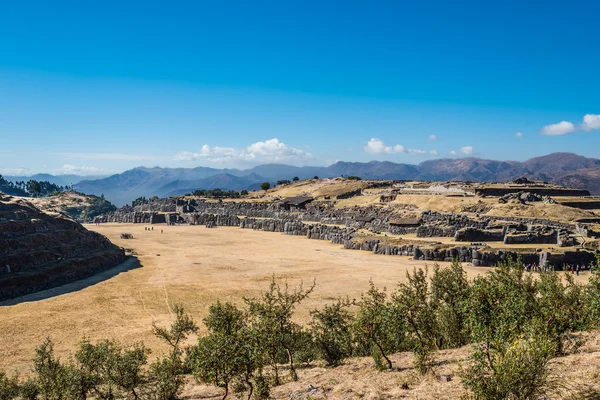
(573,268)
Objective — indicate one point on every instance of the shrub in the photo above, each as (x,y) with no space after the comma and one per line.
(330,331)
(265,186)
(515,370)
(271,319)
(412,301)
(377,326)
(9,387)
(166,373)
(450,291)
(501,304)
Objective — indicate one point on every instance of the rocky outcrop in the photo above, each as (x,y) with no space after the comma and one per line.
(39,251)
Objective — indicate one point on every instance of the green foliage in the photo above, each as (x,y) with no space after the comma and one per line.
(501,304)
(354,178)
(271,319)
(450,291)
(283,182)
(592,290)
(30,188)
(412,301)
(516,370)
(218,193)
(330,331)
(315,177)
(139,201)
(265,186)
(52,376)
(9,387)
(295,179)
(230,353)
(166,373)
(377,326)
(244,193)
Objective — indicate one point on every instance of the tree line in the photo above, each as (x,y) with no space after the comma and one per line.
(31,188)
(515,324)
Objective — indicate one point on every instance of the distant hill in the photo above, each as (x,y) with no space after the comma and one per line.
(62,180)
(562,168)
(220,181)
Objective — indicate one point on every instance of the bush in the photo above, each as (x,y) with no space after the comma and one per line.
(412,302)
(9,387)
(271,320)
(511,370)
(377,326)
(501,304)
(330,331)
(265,186)
(450,291)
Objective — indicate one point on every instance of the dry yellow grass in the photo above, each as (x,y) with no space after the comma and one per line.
(194,266)
(358,379)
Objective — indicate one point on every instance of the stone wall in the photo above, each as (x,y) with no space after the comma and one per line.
(39,251)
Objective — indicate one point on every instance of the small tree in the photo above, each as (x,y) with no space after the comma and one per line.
(244,193)
(229,351)
(51,376)
(377,326)
(450,291)
(593,296)
(315,177)
(413,302)
(295,179)
(271,318)
(265,186)
(330,331)
(165,373)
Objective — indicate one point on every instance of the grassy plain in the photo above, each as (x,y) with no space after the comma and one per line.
(194,266)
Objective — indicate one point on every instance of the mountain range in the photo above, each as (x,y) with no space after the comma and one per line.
(566,169)
(61,180)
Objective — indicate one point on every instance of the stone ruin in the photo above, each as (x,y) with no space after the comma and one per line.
(39,251)
(321,222)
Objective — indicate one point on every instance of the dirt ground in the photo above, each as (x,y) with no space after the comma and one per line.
(195,266)
(191,265)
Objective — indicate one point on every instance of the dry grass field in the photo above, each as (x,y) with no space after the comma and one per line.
(194,266)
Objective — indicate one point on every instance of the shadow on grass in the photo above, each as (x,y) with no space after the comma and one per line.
(129,264)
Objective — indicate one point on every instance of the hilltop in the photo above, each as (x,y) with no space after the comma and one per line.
(80,207)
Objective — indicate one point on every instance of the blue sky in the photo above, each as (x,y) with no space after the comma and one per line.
(100,87)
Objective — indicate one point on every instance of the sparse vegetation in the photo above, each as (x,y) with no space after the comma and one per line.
(515,324)
(220,194)
(265,186)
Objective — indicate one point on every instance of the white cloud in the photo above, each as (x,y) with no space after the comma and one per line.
(377,146)
(16,171)
(270,150)
(433,152)
(518,134)
(110,156)
(591,122)
(416,152)
(468,150)
(432,137)
(559,129)
(453,152)
(71,169)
